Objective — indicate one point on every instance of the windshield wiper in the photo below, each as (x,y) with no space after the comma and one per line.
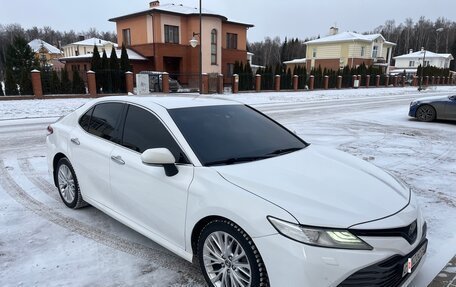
(234,160)
(284,151)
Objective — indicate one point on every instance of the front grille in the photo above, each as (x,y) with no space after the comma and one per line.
(387,273)
(409,232)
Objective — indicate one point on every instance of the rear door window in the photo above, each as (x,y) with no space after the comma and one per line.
(143,130)
(85,120)
(104,121)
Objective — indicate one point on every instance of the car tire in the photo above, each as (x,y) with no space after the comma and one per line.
(240,260)
(68,185)
(426,113)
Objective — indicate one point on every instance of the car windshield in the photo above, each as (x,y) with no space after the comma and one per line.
(229,134)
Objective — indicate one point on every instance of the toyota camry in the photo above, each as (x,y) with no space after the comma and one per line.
(223,185)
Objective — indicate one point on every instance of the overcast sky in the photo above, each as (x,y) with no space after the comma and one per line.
(292,18)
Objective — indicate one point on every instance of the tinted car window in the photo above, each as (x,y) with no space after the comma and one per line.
(143,131)
(104,121)
(233,133)
(85,119)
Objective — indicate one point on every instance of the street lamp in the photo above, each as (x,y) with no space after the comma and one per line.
(194,43)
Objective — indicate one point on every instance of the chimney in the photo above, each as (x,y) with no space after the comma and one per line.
(154,4)
(410,51)
(333,31)
(81,38)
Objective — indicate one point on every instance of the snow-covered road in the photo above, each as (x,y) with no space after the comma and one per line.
(42,243)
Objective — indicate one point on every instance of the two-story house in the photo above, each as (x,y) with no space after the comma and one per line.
(86,46)
(46,53)
(410,62)
(348,48)
(162,34)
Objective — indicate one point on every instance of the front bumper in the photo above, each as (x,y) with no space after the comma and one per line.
(412,110)
(291,263)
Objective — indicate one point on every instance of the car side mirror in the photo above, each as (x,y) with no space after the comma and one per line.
(161,156)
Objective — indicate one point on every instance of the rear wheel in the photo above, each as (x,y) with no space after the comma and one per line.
(68,186)
(426,113)
(228,257)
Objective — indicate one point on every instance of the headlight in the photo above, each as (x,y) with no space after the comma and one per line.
(414,103)
(324,237)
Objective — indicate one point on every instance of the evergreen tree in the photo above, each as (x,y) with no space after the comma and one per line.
(78,86)
(96,67)
(66,83)
(26,83)
(115,71)
(124,67)
(19,56)
(56,85)
(10,83)
(105,74)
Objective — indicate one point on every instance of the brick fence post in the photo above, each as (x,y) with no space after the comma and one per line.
(395,81)
(36,84)
(368,78)
(295,82)
(165,83)
(257,83)
(220,84)
(91,83)
(387,78)
(326,82)
(235,83)
(205,83)
(403,81)
(339,82)
(311,82)
(426,81)
(432,80)
(277,83)
(129,82)
(377,81)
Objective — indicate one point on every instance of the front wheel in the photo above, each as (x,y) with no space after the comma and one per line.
(68,186)
(228,257)
(425,113)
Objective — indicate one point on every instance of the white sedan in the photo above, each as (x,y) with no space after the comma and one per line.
(253,203)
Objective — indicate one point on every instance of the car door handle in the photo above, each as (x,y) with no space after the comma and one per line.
(75,141)
(118,159)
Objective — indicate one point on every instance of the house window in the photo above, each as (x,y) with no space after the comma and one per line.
(411,63)
(363,51)
(314,52)
(374,52)
(426,63)
(214,47)
(231,41)
(171,34)
(126,36)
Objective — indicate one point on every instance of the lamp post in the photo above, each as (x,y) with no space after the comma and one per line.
(194,43)
(424,57)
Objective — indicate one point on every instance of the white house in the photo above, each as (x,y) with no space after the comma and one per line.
(85,47)
(410,62)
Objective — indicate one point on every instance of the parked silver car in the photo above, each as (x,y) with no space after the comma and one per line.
(432,108)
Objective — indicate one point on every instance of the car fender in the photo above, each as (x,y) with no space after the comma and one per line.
(211,195)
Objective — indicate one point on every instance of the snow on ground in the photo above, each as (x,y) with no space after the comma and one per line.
(44,250)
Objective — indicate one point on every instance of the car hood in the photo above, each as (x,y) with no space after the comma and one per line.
(321,187)
(432,99)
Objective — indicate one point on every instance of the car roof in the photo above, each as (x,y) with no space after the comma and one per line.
(171,102)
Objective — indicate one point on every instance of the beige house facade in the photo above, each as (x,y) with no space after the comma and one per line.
(349,49)
(85,47)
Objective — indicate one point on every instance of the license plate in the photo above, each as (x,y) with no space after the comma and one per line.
(412,261)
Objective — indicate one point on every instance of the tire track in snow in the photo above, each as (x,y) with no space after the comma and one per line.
(37,180)
(163,259)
